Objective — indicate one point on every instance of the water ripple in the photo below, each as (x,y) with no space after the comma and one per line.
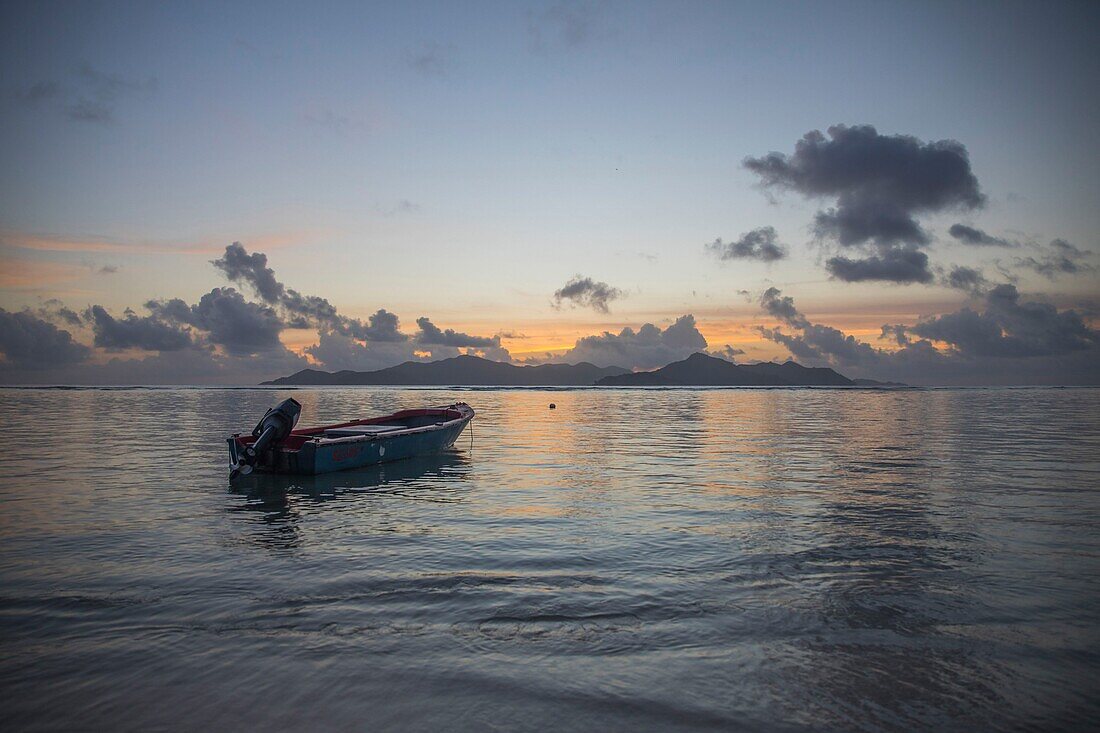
(635,559)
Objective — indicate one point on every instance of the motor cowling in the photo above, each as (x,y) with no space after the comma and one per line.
(274,427)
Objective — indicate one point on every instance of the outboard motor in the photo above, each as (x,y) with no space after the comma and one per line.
(272,429)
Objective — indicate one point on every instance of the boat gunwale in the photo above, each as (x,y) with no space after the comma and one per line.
(310,436)
(321,441)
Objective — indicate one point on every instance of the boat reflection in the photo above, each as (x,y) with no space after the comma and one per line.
(279,508)
(412,476)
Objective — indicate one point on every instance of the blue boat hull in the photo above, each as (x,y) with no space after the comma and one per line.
(365,453)
(315,453)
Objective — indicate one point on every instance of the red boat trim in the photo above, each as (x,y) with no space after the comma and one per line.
(298,438)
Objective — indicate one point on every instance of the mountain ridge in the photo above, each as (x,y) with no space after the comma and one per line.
(701,370)
(697,370)
(465,370)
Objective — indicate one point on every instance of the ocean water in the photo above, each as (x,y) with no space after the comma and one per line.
(633,560)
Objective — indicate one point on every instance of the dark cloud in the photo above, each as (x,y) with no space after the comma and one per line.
(727,352)
(760,244)
(647,348)
(816,342)
(382,326)
(432,335)
(54,310)
(966,278)
(240,266)
(337,351)
(148,333)
(348,342)
(883,226)
(897,333)
(1010,327)
(970,235)
(586,292)
(388,347)
(902,265)
(880,184)
(1009,341)
(782,307)
(879,181)
(298,310)
(310,311)
(1059,258)
(239,326)
(224,337)
(29,342)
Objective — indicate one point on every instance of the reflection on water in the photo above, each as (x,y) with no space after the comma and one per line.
(277,498)
(712,559)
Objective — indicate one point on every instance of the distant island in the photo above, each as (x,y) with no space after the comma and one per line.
(465,370)
(698,370)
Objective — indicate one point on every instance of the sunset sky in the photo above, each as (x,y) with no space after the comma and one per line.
(532,175)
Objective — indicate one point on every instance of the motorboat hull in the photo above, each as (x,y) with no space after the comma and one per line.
(360,443)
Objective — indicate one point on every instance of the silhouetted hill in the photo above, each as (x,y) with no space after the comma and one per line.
(700,370)
(461,370)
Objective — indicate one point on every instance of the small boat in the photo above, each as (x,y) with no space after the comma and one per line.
(274,446)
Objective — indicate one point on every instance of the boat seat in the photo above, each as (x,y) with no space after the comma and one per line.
(353,431)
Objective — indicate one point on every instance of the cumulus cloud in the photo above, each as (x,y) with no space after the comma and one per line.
(337,352)
(225,336)
(433,337)
(56,311)
(895,264)
(1010,327)
(240,266)
(588,293)
(346,342)
(29,342)
(381,326)
(647,348)
(430,335)
(727,352)
(817,342)
(148,333)
(759,244)
(782,307)
(977,237)
(966,278)
(239,326)
(880,184)
(1009,341)
(1059,258)
(298,310)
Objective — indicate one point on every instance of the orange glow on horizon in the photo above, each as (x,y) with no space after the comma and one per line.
(534,341)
